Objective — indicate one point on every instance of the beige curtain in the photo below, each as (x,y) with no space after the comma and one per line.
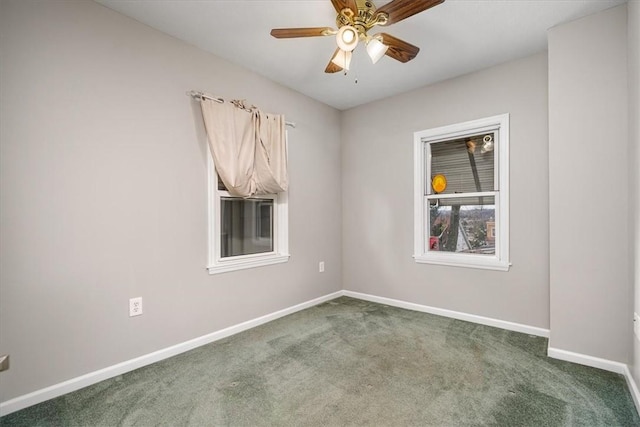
(248,147)
(271,154)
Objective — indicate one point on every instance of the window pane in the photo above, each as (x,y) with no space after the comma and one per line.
(466,163)
(221,186)
(465,225)
(246,225)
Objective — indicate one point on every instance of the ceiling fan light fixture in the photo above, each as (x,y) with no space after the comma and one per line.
(347,38)
(376,49)
(354,19)
(342,59)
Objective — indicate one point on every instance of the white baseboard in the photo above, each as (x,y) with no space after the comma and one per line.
(555,353)
(77,383)
(633,387)
(503,324)
(596,362)
(583,359)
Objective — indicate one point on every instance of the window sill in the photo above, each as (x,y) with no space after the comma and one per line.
(467,261)
(242,264)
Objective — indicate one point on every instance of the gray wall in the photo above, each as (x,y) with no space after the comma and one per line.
(377,197)
(589,186)
(103,194)
(633,61)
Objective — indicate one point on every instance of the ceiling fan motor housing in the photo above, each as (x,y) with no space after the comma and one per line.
(365,18)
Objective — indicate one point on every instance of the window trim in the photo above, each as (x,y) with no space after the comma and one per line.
(498,261)
(217,264)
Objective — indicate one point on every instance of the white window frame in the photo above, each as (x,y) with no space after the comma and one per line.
(216,263)
(422,164)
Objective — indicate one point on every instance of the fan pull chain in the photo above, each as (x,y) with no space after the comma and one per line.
(356,78)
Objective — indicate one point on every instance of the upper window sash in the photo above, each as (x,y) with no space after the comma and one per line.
(479,159)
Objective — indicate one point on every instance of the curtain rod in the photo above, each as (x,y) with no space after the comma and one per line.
(195,94)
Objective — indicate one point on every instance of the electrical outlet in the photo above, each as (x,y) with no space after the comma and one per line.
(4,362)
(135,306)
(321,266)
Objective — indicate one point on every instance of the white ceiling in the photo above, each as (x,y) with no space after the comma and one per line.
(455,38)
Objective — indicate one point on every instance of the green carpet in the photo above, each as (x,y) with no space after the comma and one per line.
(351,362)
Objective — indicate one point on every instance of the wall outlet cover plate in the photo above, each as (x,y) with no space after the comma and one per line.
(135,306)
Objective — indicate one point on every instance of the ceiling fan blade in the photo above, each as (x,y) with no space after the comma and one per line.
(402,9)
(399,49)
(287,33)
(342,4)
(331,66)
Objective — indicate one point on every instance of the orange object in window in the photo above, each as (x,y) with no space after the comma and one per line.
(439,183)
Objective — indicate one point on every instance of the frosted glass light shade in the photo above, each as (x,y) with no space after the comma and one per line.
(342,59)
(376,49)
(347,38)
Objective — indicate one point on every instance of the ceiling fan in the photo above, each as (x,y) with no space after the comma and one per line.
(354,19)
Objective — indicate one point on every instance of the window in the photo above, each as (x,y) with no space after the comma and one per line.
(245,233)
(246,227)
(461,194)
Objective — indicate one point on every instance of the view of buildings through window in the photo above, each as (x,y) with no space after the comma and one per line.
(462,228)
